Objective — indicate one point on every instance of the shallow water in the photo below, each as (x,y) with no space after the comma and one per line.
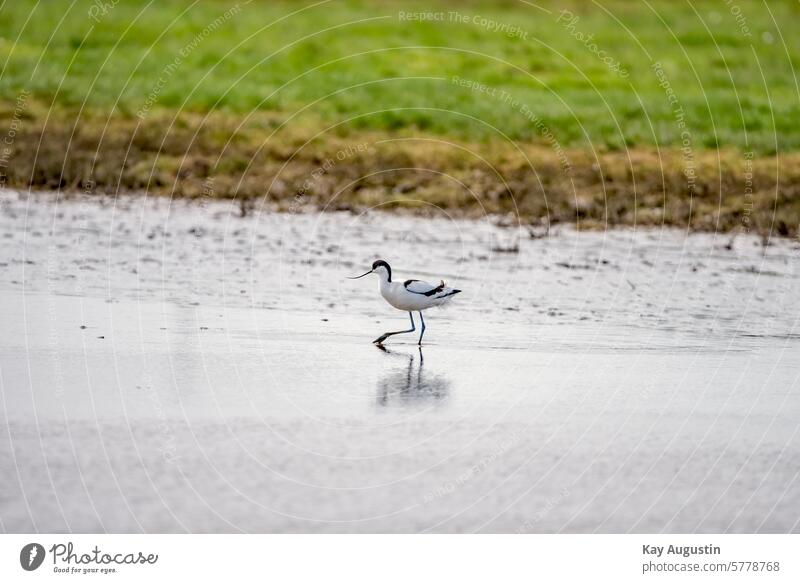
(174,367)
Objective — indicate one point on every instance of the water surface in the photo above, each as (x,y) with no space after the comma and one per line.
(170,367)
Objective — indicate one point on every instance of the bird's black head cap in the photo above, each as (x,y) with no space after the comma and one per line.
(382,263)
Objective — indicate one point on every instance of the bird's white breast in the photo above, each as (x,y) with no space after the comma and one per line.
(399,297)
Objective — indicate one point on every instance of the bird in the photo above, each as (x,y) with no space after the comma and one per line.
(411,296)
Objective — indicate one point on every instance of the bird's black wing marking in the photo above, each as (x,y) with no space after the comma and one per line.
(436,290)
(430,292)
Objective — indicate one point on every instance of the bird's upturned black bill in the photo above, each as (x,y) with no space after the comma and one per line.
(360,276)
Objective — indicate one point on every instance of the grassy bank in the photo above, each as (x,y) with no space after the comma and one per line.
(218,157)
(620,112)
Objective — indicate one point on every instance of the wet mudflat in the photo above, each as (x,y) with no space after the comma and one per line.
(170,367)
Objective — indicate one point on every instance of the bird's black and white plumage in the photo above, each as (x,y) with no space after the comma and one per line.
(440,291)
(411,295)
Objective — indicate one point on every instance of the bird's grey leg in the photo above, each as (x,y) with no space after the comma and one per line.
(421,334)
(387,334)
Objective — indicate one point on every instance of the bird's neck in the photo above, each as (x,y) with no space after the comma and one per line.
(383,281)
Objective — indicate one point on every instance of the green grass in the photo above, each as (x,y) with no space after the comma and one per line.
(354,60)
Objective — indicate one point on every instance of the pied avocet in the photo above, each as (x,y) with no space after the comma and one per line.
(411,296)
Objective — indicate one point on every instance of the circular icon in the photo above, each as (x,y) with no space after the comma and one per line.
(31,556)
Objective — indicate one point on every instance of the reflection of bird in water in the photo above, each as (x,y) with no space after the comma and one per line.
(410,385)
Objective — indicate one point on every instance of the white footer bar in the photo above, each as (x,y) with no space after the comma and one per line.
(400,558)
